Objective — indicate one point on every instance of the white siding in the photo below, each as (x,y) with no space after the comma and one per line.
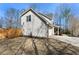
(51,31)
(36,26)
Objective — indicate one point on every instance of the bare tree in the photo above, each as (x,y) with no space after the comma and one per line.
(66,13)
(73,25)
(1,22)
(62,17)
(33,6)
(12,18)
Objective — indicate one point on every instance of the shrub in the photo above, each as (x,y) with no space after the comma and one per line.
(11,33)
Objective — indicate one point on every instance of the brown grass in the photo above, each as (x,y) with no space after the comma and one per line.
(10,33)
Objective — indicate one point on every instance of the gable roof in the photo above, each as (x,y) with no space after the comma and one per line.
(49,16)
(41,16)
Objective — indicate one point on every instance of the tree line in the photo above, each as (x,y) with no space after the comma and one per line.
(66,20)
(11,18)
(63,17)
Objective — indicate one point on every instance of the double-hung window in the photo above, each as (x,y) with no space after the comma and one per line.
(29,18)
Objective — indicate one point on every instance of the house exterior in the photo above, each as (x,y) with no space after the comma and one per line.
(36,24)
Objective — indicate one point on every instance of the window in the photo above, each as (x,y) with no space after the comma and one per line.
(29,18)
(23,23)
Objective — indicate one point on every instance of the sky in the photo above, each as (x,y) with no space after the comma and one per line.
(42,7)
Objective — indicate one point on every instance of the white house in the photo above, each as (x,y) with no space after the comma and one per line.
(36,24)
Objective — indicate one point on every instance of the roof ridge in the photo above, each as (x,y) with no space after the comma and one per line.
(44,15)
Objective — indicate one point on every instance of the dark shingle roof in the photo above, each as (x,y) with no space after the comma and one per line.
(49,15)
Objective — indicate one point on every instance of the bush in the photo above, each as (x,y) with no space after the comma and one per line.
(11,33)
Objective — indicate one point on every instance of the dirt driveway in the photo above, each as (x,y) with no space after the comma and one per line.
(35,46)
